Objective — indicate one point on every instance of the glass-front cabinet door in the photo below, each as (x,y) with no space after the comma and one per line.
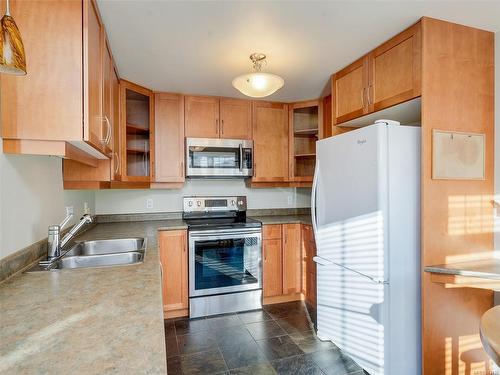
(224,263)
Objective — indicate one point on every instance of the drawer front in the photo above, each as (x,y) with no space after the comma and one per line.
(272,232)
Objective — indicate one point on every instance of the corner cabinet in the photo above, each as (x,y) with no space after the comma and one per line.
(388,75)
(174,272)
(136,123)
(31,123)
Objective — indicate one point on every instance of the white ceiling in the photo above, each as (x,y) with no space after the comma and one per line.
(199,47)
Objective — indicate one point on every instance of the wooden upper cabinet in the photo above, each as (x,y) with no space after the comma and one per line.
(349,91)
(174,266)
(292,258)
(93,82)
(137,125)
(169,137)
(388,75)
(395,70)
(235,118)
(201,116)
(43,112)
(270,135)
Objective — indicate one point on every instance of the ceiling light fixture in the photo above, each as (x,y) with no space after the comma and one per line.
(258,84)
(12,56)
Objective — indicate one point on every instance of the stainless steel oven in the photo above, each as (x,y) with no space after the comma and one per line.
(209,157)
(225,256)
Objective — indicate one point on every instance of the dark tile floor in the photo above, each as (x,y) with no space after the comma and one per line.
(280,339)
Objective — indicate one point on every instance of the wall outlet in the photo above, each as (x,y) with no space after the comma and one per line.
(290,199)
(149,203)
(86,209)
(70,210)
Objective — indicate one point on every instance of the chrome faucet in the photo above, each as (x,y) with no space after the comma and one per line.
(55,244)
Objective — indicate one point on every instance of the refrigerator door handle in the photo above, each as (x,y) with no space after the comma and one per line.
(322,261)
(313,199)
(325,262)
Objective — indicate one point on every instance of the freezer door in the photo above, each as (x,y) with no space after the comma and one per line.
(351,313)
(351,200)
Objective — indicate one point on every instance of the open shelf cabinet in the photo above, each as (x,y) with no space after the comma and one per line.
(305,119)
(137,109)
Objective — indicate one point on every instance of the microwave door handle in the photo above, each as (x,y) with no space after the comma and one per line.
(241,157)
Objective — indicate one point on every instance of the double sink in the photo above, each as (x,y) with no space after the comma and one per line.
(102,253)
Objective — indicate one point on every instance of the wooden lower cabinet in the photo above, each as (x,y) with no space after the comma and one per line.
(291,258)
(272,267)
(308,265)
(174,266)
(282,263)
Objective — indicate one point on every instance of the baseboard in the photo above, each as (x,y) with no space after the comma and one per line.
(282,299)
(175,314)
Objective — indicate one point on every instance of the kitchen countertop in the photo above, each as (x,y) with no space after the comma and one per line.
(89,321)
(486,269)
(284,219)
(92,320)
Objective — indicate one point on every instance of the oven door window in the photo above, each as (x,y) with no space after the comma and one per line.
(220,264)
(214,157)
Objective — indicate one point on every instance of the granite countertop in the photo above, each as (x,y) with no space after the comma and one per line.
(88,321)
(284,219)
(92,320)
(486,269)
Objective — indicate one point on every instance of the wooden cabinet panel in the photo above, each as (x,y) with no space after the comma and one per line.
(202,116)
(395,70)
(174,264)
(92,52)
(169,137)
(236,118)
(349,91)
(291,258)
(47,103)
(270,135)
(271,231)
(308,265)
(272,268)
(107,99)
(117,131)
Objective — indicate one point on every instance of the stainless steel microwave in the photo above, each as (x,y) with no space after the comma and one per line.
(213,157)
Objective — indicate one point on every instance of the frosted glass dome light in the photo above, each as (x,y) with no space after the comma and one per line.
(258,84)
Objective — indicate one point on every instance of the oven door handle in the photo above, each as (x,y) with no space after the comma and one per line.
(241,157)
(224,234)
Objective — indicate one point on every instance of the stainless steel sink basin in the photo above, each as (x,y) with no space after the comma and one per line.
(99,253)
(100,247)
(101,260)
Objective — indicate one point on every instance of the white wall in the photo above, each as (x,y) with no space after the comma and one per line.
(134,201)
(32,198)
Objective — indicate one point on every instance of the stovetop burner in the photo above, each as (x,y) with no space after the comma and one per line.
(209,213)
(222,223)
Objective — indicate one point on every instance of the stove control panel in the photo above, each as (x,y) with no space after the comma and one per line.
(213,204)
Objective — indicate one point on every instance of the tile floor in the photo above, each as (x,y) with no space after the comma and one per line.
(279,339)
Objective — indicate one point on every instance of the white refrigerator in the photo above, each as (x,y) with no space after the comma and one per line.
(366,219)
